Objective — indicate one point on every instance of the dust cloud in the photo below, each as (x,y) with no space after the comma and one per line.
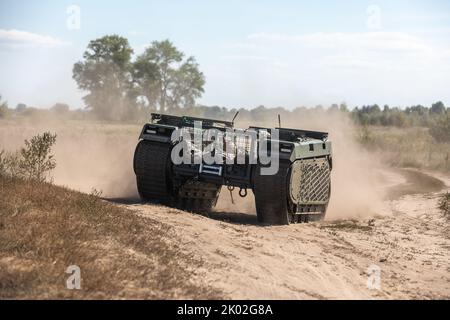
(358,183)
(89,155)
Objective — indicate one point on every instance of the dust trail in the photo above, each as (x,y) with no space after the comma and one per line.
(89,155)
(358,186)
(357,181)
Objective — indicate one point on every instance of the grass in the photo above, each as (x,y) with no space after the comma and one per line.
(412,147)
(44,229)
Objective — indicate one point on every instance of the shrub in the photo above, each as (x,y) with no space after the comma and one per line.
(33,161)
(9,164)
(36,158)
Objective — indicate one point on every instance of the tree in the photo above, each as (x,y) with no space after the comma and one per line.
(343,107)
(437,108)
(60,108)
(21,107)
(419,110)
(105,74)
(145,76)
(334,108)
(374,109)
(188,85)
(165,79)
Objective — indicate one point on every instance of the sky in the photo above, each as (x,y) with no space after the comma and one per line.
(252,52)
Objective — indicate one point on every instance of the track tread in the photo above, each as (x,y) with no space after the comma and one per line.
(271,194)
(151,161)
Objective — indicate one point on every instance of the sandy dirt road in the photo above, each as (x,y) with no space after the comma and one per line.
(409,242)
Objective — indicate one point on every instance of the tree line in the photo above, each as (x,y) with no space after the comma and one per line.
(417,115)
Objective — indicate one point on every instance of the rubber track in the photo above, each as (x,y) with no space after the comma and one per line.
(271,195)
(151,161)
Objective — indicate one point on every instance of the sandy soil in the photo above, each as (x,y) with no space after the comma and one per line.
(408,239)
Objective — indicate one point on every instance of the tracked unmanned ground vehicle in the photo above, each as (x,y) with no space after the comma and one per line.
(299,191)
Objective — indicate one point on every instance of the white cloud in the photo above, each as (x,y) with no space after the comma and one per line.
(18,39)
(380,41)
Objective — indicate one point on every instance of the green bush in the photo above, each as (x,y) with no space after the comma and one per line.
(34,161)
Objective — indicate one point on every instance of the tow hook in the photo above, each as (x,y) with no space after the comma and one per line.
(242,192)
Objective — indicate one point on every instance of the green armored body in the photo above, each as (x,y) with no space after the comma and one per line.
(288,170)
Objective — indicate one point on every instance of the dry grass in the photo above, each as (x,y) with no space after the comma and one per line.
(407,147)
(44,229)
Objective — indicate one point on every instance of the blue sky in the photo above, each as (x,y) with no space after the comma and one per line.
(275,53)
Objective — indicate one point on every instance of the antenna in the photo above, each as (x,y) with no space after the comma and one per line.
(234,118)
(279,121)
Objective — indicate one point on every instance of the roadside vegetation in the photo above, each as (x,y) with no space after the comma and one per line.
(410,147)
(34,161)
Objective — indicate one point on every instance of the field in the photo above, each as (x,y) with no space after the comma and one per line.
(407,147)
(381,215)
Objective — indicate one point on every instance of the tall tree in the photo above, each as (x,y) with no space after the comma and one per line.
(165,79)
(187,86)
(105,74)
